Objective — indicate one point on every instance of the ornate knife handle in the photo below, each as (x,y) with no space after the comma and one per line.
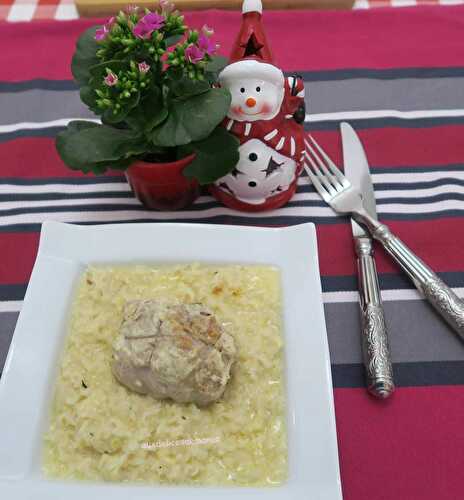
(374,339)
(442,298)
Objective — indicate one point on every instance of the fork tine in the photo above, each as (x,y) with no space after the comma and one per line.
(334,169)
(319,187)
(314,157)
(323,179)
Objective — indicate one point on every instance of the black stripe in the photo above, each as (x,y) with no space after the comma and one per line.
(39,84)
(103,179)
(12,292)
(423,199)
(419,374)
(388,281)
(393,186)
(368,123)
(41,132)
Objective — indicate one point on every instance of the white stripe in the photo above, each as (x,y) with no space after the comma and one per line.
(292,146)
(383,113)
(269,136)
(403,3)
(65,188)
(315,117)
(280,144)
(9,205)
(247,128)
(387,295)
(301,93)
(126,215)
(10,306)
(22,11)
(13,127)
(229,124)
(66,11)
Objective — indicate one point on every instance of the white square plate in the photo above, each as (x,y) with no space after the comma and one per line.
(31,366)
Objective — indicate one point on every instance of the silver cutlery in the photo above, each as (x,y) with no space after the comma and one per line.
(374,337)
(339,193)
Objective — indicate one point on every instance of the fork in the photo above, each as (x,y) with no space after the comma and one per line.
(337,191)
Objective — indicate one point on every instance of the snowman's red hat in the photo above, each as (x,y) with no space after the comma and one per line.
(251,42)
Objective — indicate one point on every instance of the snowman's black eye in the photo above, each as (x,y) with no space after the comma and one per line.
(242,90)
(253,156)
(258,89)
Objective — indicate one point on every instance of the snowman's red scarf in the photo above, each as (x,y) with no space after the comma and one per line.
(282,132)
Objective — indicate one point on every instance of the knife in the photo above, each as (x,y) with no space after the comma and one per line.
(374,337)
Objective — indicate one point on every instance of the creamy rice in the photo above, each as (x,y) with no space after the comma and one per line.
(99,430)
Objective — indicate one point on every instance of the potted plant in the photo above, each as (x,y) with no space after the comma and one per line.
(152,82)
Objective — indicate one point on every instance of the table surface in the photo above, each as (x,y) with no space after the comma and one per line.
(397,75)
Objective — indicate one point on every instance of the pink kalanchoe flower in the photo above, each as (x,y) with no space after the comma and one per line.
(206,45)
(147,24)
(101,33)
(111,79)
(207,30)
(166,6)
(144,67)
(131,9)
(194,54)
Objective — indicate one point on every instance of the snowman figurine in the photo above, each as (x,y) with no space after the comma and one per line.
(266,115)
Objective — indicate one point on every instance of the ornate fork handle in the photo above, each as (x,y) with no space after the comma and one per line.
(374,339)
(443,299)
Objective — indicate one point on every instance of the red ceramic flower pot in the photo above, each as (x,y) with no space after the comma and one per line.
(162,186)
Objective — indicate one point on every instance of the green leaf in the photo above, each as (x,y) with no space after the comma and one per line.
(150,112)
(89,97)
(126,106)
(186,87)
(192,119)
(85,56)
(172,40)
(217,64)
(88,146)
(215,156)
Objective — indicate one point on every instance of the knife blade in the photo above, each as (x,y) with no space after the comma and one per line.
(374,337)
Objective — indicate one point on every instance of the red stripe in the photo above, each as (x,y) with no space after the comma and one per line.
(410,447)
(33,157)
(18,255)
(439,244)
(396,38)
(396,146)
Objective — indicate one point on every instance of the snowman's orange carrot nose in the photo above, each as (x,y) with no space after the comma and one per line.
(250,102)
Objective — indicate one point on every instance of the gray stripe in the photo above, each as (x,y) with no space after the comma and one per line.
(416,333)
(363,94)
(7,326)
(41,106)
(356,94)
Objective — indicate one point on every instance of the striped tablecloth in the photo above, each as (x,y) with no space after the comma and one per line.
(398,76)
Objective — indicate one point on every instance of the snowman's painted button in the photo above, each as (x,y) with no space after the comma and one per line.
(253,156)
(252,184)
